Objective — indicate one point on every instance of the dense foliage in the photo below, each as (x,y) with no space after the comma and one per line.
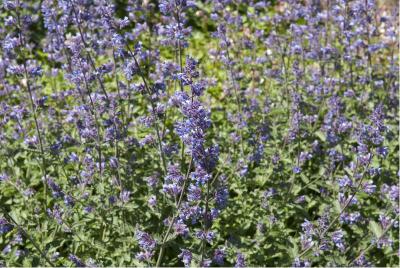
(199,133)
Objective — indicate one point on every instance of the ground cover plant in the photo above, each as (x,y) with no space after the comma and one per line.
(199,133)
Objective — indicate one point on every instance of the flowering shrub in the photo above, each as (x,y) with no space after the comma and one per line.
(199,133)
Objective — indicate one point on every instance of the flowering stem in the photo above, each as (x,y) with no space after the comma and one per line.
(93,111)
(153,107)
(236,87)
(293,175)
(161,253)
(203,247)
(20,229)
(371,245)
(91,61)
(340,213)
(28,87)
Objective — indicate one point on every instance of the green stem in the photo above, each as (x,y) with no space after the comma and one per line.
(161,253)
(20,229)
(372,244)
(153,107)
(341,211)
(203,246)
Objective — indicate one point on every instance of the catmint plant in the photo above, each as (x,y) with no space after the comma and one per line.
(232,133)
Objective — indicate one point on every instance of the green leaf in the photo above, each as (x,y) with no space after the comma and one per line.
(336,206)
(320,135)
(376,229)
(27,262)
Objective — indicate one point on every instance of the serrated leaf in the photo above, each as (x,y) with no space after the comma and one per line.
(320,135)
(336,206)
(376,229)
